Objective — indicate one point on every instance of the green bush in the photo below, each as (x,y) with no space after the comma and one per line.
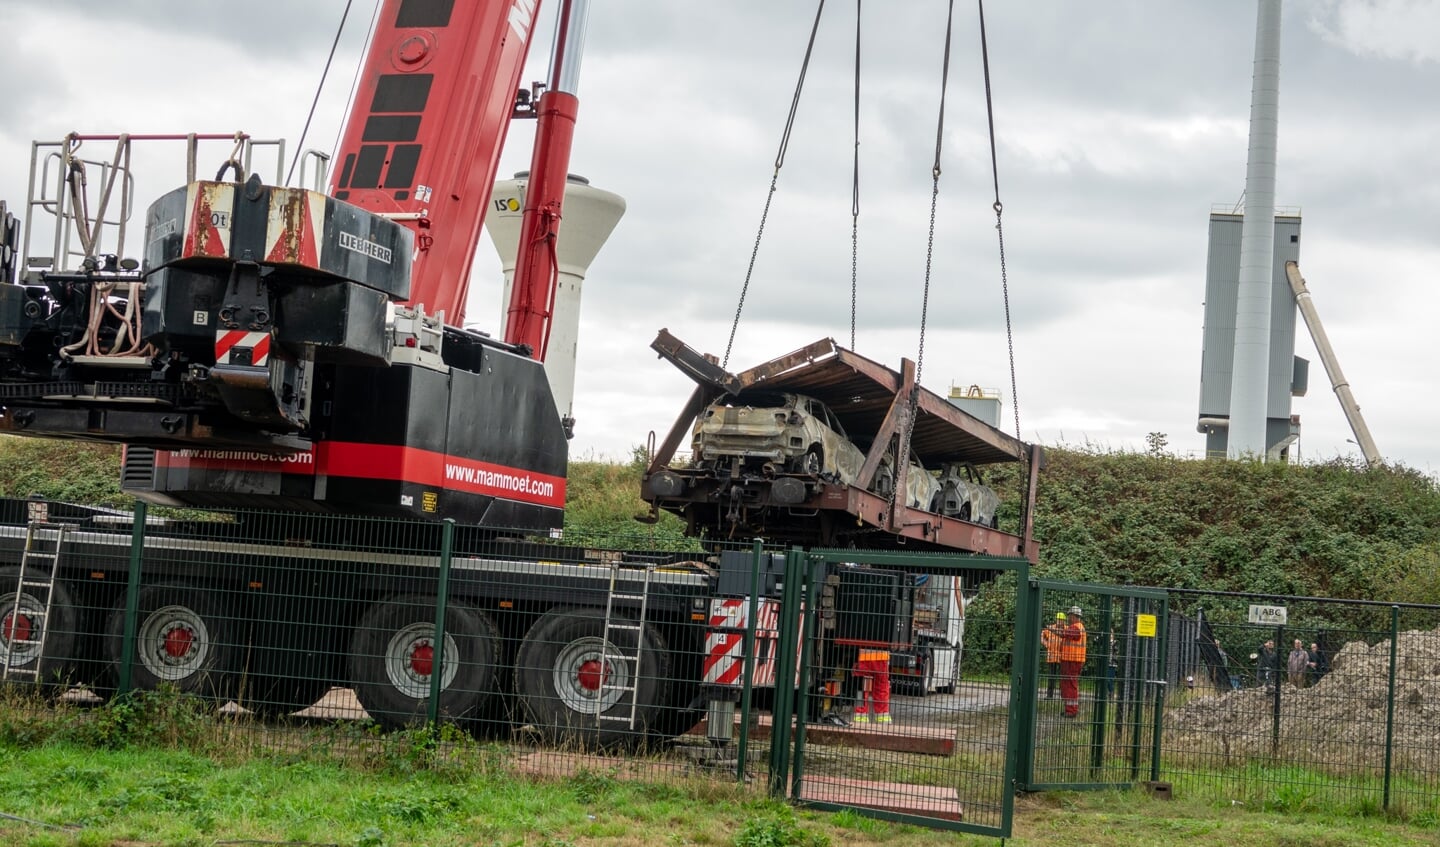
(777,827)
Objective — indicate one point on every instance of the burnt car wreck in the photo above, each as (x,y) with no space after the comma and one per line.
(802,450)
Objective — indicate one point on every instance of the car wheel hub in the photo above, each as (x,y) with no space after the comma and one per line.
(174,642)
(590,675)
(410,660)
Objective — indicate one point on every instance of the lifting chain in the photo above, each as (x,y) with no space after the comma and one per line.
(904,452)
(999,228)
(774,178)
(855,188)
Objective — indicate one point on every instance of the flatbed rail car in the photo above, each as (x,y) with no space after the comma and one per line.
(274,624)
(876,405)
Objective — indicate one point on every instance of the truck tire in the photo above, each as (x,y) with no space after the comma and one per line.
(27,622)
(561,682)
(181,640)
(392,656)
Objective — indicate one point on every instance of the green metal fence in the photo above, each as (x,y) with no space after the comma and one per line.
(1102,730)
(888,721)
(293,620)
(1343,715)
(727,662)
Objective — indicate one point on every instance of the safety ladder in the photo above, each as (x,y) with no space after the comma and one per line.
(631,659)
(43,543)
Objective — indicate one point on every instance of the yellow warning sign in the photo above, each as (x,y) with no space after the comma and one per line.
(429,500)
(1145,626)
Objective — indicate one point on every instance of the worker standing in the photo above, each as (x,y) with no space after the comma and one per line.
(1052,636)
(1072,659)
(872,667)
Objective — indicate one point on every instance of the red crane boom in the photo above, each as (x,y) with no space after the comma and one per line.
(423,138)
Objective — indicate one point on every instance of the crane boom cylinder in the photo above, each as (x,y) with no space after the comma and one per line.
(532,297)
(1332,366)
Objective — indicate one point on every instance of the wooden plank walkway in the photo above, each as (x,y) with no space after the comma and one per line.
(896,737)
(921,800)
(930,801)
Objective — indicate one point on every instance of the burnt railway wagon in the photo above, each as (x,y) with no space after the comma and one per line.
(795,504)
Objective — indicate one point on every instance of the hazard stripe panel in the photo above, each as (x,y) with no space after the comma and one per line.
(724,661)
(227,340)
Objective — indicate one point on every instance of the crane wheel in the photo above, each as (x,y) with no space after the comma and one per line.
(392,655)
(578,689)
(181,640)
(24,622)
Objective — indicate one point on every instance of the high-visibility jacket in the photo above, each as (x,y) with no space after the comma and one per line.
(1072,647)
(1051,638)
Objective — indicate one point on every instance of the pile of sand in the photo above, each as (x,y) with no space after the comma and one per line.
(1340,720)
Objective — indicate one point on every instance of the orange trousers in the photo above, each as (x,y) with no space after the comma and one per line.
(876,695)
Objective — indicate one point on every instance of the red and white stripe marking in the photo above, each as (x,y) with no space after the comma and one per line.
(207,227)
(724,650)
(229,340)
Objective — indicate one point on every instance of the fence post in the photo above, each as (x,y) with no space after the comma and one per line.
(132,595)
(810,614)
(1276,680)
(442,592)
(786,644)
(1146,667)
(1101,714)
(1160,689)
(1024,681)
(747,685)
(1390,702)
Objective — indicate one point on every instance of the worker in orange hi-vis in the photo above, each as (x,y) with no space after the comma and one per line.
(1072,659)
(872,668)
(1052,636)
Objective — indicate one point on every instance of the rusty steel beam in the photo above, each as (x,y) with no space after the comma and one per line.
(701,367)
(905,402)
(933,404)
(809,354)
(929,527)
(878,373)
(1037,464)
(895,418)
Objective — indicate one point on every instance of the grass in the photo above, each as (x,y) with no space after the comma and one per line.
(157,769)
(74,795)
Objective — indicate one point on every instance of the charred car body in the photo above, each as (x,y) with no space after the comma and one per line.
(802,450)
(963,496)
(769,433)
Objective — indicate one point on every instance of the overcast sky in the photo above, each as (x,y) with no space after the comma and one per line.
(1119,125)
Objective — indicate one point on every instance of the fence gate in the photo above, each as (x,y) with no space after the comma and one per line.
(938,750)
(1105,730)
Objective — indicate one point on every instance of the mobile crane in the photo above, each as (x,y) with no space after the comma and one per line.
(283,347)
(277,349)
